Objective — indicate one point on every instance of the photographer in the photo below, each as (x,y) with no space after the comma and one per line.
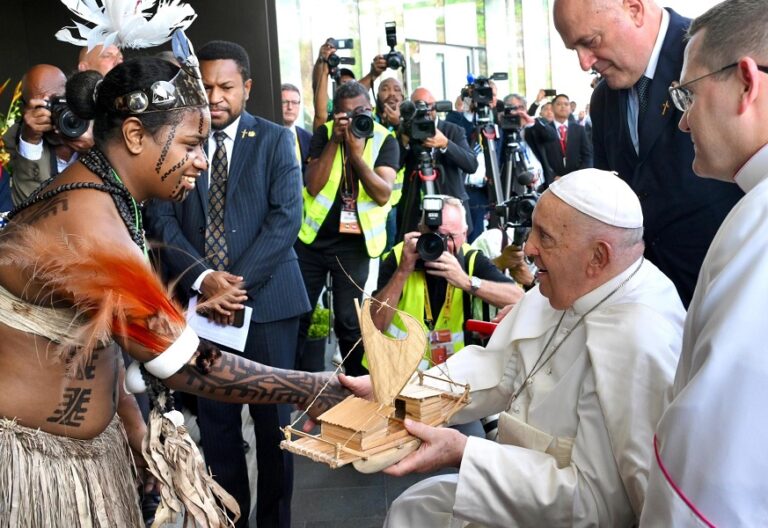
(322,71)
(434,292)
(49,137)
(349,182)
(449,154)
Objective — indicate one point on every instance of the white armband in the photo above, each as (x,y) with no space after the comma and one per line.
(134,381)
(175,356)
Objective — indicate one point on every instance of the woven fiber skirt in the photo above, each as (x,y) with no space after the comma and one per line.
(51,481)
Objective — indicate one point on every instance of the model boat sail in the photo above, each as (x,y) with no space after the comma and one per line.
(370,434)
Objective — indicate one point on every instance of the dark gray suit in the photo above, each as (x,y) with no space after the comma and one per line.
(262,218)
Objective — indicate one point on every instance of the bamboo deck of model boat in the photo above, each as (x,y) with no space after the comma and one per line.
(370,434)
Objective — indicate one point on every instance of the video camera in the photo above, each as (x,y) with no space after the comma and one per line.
(64,119)
(480,92)
(395,59)
(416,121)
(517,212)
(335,60)
(361,122)
(508,119)
(431,245)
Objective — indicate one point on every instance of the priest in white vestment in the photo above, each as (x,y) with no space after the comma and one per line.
(580,369)
(710,465)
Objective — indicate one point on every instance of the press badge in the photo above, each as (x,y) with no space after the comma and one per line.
(348,223)
(440,345)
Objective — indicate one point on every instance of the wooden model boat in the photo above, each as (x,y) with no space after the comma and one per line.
(371,434)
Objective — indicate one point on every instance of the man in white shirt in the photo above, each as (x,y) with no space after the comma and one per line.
(291,101)
(637,47)
(710,462)
(580,366)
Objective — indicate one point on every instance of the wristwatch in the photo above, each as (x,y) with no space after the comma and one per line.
(474,284)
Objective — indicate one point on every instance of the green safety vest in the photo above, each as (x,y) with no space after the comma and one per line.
(372,216)
(412,301)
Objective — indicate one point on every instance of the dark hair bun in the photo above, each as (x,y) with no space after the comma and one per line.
(80,90)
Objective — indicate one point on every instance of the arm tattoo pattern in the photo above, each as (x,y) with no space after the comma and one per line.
(72,410)
(238,380)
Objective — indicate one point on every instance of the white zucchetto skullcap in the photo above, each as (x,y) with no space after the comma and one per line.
(601,195)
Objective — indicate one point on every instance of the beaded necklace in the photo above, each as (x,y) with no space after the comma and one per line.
(111,184)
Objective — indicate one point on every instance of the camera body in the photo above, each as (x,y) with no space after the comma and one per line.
(64,119)
(508,119)
(335,60)
(518,210)
(416,120)
(395,59)
(361,122)
(431,245)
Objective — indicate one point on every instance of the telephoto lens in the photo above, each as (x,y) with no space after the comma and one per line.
(64,120)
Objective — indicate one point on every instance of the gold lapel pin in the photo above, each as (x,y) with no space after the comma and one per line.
(664,108)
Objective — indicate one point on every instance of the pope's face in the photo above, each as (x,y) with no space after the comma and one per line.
(560,251)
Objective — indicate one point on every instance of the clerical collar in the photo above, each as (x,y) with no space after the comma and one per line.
(650,70)
(753,171)
(589,300)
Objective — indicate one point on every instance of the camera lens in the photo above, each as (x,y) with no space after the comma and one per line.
(362,125)
(431,245)
(71,126)
(333,60)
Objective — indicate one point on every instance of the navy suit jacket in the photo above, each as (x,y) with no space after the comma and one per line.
(681,211)
(262,217)
(304,140)
(578,150)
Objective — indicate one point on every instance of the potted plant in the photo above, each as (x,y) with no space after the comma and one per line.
(313,354)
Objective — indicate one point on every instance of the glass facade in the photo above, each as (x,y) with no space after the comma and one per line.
(443,41)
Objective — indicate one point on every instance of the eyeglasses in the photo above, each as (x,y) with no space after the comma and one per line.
(289,103)
(682,97)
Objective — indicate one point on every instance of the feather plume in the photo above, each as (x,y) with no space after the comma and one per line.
(125,23)
(114,291)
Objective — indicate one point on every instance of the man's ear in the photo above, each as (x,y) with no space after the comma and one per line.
(247,87)
(749,75)
(636,11)
(602,252)
(134,135)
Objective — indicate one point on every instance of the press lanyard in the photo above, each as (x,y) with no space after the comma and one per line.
(429,320)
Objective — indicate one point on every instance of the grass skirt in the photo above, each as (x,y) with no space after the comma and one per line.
(51,481)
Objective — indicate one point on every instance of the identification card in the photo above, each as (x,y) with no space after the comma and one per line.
(440,345)
(348,223)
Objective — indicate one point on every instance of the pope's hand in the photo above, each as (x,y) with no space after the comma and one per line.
(440,447)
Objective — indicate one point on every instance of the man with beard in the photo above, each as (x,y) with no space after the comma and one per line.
(231,242)
(388,99)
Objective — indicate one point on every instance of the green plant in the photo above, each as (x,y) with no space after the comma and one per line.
(319,325)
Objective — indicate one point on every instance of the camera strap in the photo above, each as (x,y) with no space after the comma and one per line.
(348,222)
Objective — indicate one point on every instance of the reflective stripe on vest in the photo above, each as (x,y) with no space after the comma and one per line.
(412,302)
(397,187)
(372,216)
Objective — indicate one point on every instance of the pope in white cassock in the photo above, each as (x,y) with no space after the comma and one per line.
(710,467)
(580,369)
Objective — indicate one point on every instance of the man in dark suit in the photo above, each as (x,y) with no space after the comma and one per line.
(232,243)
(637,47)
(451,156)
(569,149)
(291,99)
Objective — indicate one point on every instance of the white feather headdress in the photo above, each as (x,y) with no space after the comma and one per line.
(125,23)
